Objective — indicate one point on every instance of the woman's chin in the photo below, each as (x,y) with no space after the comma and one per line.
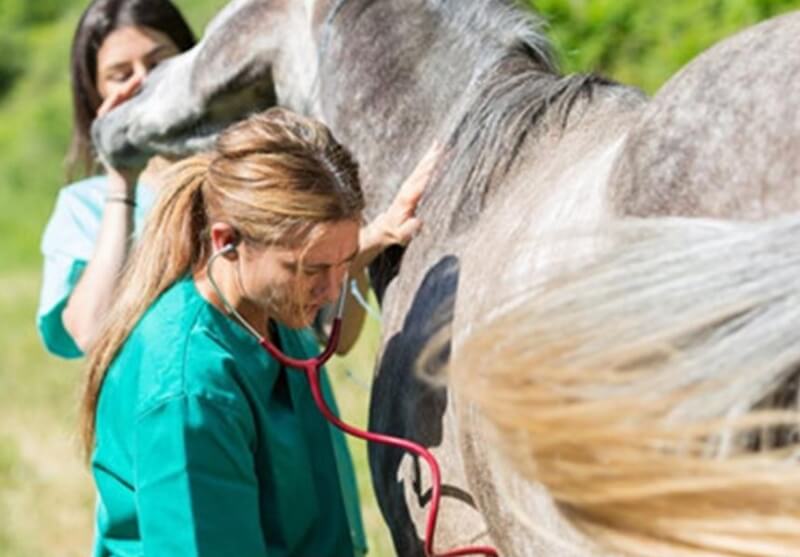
(299,320)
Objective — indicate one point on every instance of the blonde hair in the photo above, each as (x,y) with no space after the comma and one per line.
(273,177)
(654,391)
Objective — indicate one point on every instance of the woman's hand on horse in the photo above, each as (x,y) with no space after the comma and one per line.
(399,223)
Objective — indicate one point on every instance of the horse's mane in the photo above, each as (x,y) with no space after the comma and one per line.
(516,88)
(516,92)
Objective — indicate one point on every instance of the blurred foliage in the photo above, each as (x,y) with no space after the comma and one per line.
(25,13)
(643,43)
(15,17)
(13,62)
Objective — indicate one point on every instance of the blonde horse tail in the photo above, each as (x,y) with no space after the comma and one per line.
(654,389)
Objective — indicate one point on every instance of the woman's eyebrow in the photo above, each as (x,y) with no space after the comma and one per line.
(117,66)
(123,64)
(158,49)
(348,259)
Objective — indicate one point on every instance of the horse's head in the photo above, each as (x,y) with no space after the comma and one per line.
(254,54)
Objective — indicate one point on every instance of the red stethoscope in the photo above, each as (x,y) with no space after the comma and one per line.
(312,368)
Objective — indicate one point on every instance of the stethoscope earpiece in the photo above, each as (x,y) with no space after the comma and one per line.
(231,246)
(228,248)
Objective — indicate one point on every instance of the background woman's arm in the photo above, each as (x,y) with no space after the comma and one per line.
(93,293)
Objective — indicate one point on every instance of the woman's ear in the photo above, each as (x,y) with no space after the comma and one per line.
(225,237)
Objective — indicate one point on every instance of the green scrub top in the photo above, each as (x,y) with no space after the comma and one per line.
(206,446)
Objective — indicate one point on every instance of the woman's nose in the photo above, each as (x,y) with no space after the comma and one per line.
(331,284)
(140,71)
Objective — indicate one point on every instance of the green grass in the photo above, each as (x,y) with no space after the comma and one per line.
(46,493)
(351,377)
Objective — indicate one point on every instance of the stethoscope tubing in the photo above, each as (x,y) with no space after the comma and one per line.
(312,368)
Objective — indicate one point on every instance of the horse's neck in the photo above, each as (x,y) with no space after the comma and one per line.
(559,189)
(400,76)
(394,75)
(295,68)
(558,185)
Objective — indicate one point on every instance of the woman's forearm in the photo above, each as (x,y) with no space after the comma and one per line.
(372,241)
(92,296)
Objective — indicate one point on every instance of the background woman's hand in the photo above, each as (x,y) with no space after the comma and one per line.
(119,96)
(121,180)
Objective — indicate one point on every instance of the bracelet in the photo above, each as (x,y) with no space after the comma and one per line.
(121,199)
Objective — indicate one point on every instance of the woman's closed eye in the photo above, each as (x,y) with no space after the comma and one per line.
(314,271)
(119,75)
(151,64)
(294,268)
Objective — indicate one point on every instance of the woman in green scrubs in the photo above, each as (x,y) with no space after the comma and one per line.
(200,442)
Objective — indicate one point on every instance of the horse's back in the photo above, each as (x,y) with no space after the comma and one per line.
(721,138)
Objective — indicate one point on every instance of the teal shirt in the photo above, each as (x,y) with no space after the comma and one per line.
(207,447)
(67,245)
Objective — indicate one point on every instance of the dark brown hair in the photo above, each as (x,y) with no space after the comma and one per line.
(97,22)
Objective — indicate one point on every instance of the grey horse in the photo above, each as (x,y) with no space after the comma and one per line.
(531,155)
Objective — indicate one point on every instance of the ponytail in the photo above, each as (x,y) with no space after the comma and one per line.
(171,245)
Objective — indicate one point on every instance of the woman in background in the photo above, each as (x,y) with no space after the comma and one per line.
(88,238)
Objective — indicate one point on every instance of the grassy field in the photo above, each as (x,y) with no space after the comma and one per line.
(45,491)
